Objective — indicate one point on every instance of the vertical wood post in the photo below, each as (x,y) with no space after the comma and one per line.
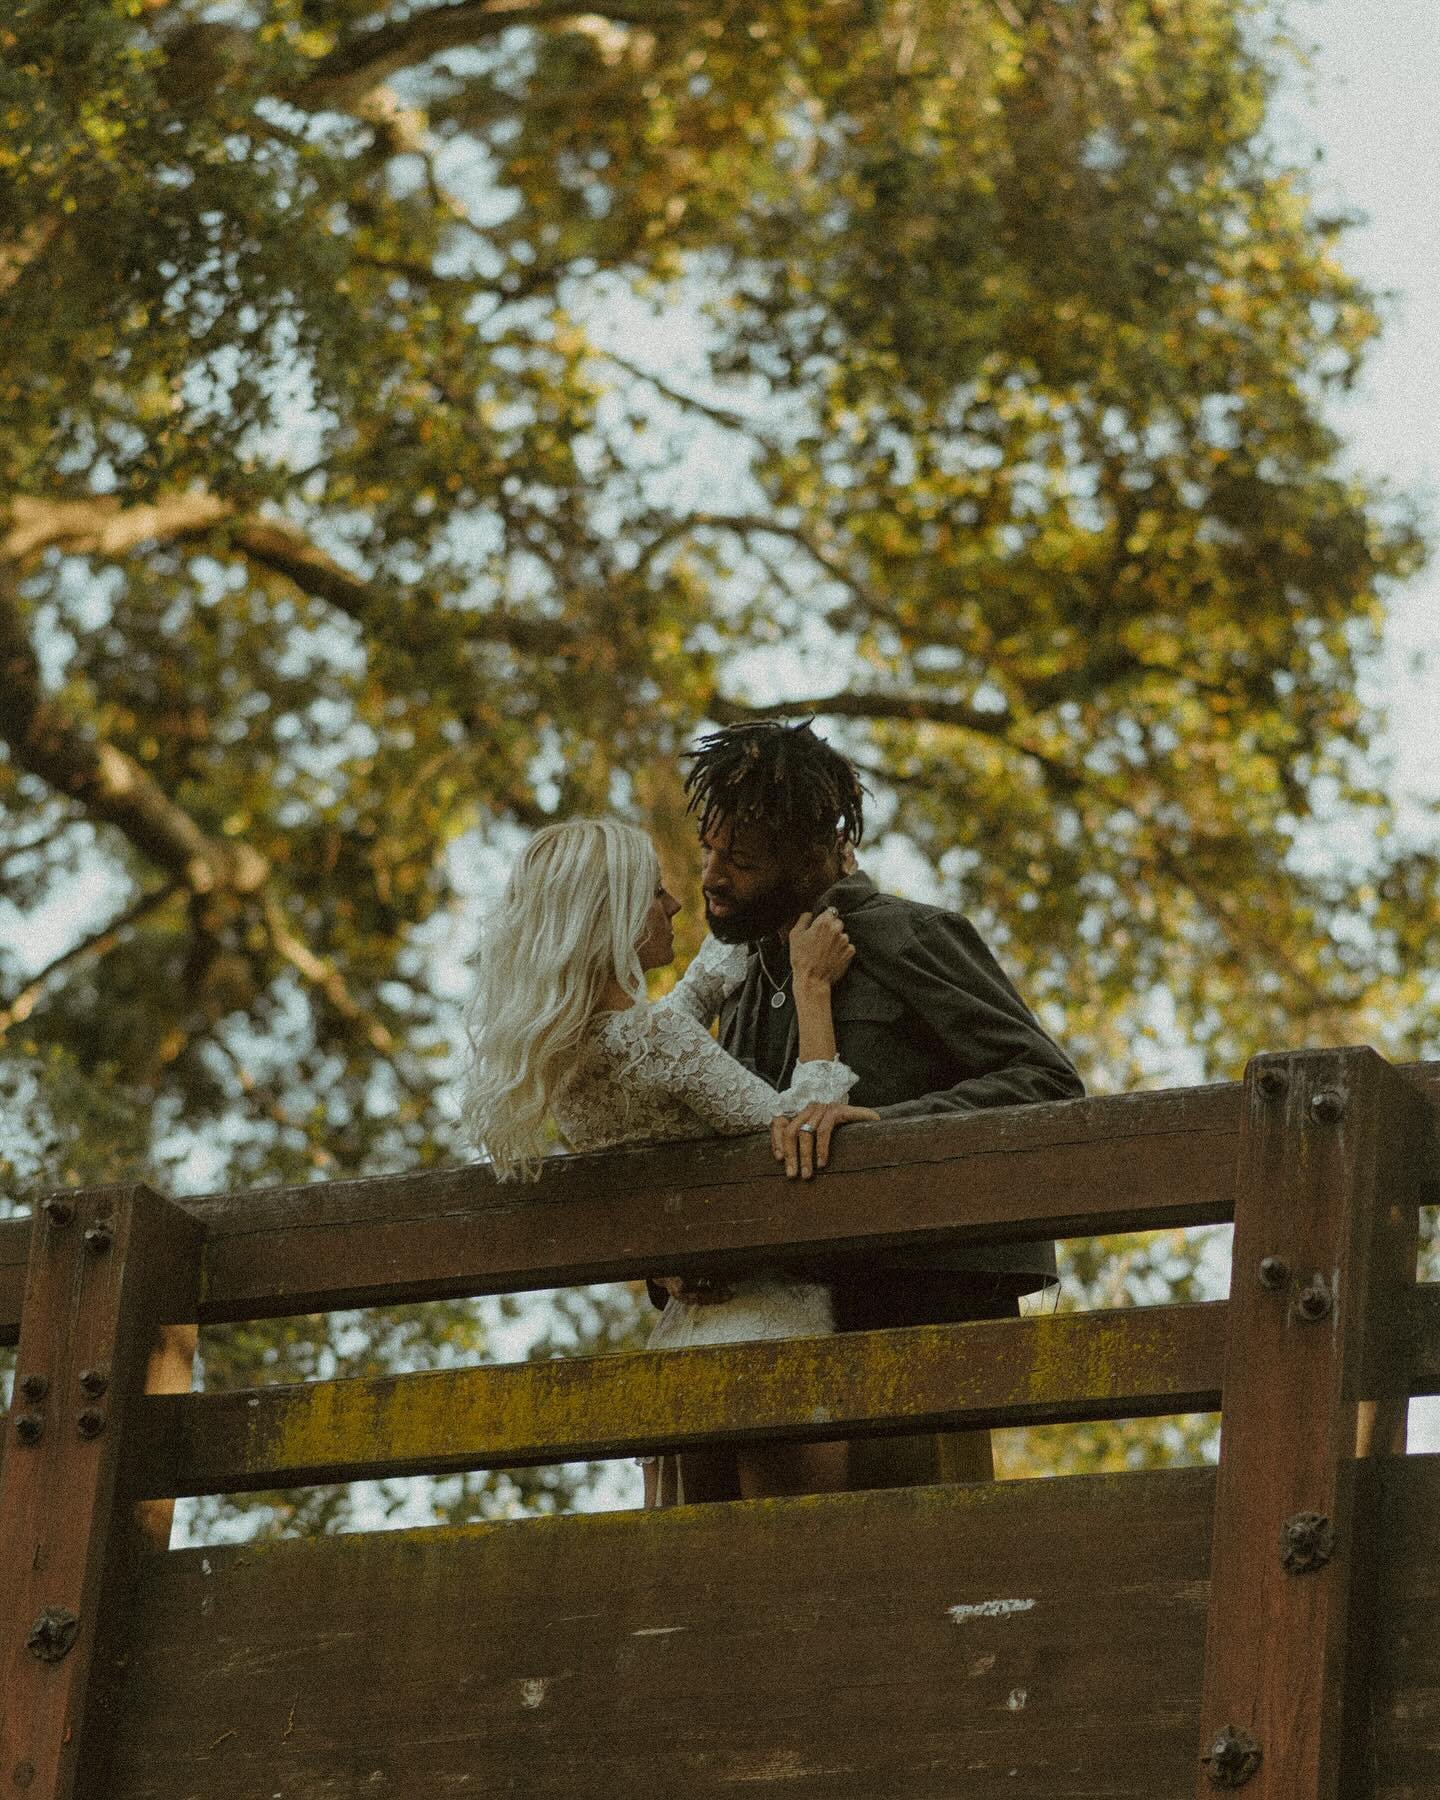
(105,1265)
(1334,1150)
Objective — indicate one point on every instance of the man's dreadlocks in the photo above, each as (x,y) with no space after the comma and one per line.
(781,777)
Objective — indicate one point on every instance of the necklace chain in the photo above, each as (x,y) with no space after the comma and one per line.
(777,999)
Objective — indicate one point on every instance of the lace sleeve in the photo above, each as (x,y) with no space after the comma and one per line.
(670,1051)
(717,970)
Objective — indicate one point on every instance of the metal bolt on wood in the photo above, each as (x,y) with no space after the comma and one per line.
(93,1382)
(53,1634)
(34,1387)
(29,1428)
(99,1238)
(1307,1542)
(91,1422)
(1272,1082)
(1232,1759)
(1314,1301)
(1274,1272)
(57,1212)
(1328,1107)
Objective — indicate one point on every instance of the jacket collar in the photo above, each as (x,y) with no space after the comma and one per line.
(846,895)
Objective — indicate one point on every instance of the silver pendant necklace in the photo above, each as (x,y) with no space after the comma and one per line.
(777,999)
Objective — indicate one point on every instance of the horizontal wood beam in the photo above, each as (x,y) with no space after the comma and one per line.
(1132,1362)
(1067,1169)
(1125,1363)
(1070,1169)
(1080,1168)
(1425,1379)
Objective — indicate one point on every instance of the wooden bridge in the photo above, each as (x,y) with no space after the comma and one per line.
(1273,1624)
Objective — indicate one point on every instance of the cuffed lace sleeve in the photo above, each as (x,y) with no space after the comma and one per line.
(663,1048)
(717,970)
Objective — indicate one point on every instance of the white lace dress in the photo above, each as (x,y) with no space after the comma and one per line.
(653,1073)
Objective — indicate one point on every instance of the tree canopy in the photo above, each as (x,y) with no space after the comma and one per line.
(421,418)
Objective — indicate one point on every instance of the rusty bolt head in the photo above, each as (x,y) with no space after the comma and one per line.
(53,1634)
(99,1237)
(1327,1107)
(57,1211)
(1307,1542)
(29,1428)
(1232,1758)
(1274,1272)
(91,1422)
(93,1382)
(1313,1302)
(35,1386)
(1272,1081)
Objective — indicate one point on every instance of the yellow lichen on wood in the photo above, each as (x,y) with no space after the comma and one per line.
(1023,1371)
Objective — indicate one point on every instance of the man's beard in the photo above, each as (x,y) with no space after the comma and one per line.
(765,916)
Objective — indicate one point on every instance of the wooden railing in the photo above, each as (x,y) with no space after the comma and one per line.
(1073,1636)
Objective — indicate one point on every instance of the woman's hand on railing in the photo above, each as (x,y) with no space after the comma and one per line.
(803,1143)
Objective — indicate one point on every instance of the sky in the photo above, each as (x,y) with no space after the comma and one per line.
(1373,109)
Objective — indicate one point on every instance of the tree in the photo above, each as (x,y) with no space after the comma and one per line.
(343,524)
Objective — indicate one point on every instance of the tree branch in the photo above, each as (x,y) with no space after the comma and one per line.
(107,782)
(284,550)
(104,526)
(746,525)
(112,787)
(361,62)
(28,246)
(996,727)
(718,415)
(919,708)
(330,983)
(316,1154)
(89,949)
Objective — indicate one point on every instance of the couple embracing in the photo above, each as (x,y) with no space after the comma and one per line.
(836,1004)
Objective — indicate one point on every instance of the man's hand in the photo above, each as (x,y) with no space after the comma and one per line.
(803,1143)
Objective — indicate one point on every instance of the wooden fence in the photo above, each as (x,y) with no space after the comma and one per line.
(1273,1623)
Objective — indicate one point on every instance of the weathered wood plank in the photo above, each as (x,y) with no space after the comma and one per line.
(95,1270)
(452,1232)
(1066,1169)
(1126,1363)
(14,1237)
(1405,1511)
(1424,1339)
(1032,1639)
(1327,1198)
(1073,1168)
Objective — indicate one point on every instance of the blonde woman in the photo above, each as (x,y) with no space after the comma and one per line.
(560,1028)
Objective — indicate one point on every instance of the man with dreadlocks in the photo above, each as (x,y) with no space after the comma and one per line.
(924,1016)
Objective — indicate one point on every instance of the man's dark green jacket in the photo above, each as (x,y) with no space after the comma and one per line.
(930,1023)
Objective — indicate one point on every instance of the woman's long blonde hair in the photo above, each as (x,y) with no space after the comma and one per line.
(571,919)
